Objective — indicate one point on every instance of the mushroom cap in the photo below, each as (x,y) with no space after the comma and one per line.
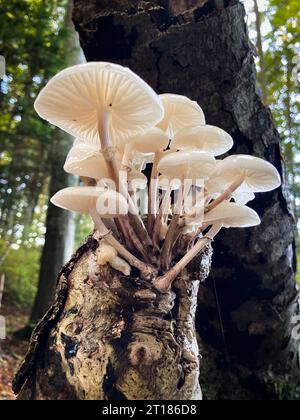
(260,175)
(164,182)
(75,98)
(137,180)
(105,253)
(208,138)
(82,199)
(192,163)
(232,215)
(180,112)
(153,140)
(111,204)
(240,196)
(85,160)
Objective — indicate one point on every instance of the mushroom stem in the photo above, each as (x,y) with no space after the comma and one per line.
(166,253)
(135,240)
(164,283)
(162,211)
(107,147)
(152,197)
(226,194)
(109,152)
(147,271)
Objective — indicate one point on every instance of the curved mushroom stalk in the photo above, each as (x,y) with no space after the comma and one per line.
(194,164)
(226,194)
(247,173)
(147,271)
(225,215)
(164,283)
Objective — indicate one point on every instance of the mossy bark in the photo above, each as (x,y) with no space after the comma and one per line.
(110,337)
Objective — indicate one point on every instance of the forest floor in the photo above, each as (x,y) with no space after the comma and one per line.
(12,349)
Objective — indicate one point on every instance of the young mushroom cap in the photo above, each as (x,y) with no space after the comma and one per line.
(81,199)
(87,161)
(137,180)
(232,215)
(194,164)
(153,140)
(208,138)
(166,182)
(180,112)
(75,97)
(215,188)
(146,144)
(259,175)
(105,253)
(243,197)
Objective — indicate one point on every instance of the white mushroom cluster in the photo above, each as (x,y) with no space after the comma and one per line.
(122,128)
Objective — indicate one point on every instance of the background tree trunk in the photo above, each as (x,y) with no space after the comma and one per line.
(205,53)
(60,230)
(60,224)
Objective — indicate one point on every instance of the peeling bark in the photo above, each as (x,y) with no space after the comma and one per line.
(110,337)
(205,53)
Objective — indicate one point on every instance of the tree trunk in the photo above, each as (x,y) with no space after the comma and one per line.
(60,224)
(60,231)
(108,337)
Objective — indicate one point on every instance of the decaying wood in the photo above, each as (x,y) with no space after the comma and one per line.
(113,337)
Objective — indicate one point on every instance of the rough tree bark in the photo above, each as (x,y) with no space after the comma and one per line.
(104,332)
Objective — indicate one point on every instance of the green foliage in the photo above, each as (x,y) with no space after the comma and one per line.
(32,39)
(21,269)
(283,76)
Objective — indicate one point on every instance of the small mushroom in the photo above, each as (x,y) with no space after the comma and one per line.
(192,163)
(85,200)
(244,173)
(148,143)
(89,99)
(232,215)
(106,254)
(120,265)
(109,203)
(208,138)
(214,189)
(86,160)
(180,112)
